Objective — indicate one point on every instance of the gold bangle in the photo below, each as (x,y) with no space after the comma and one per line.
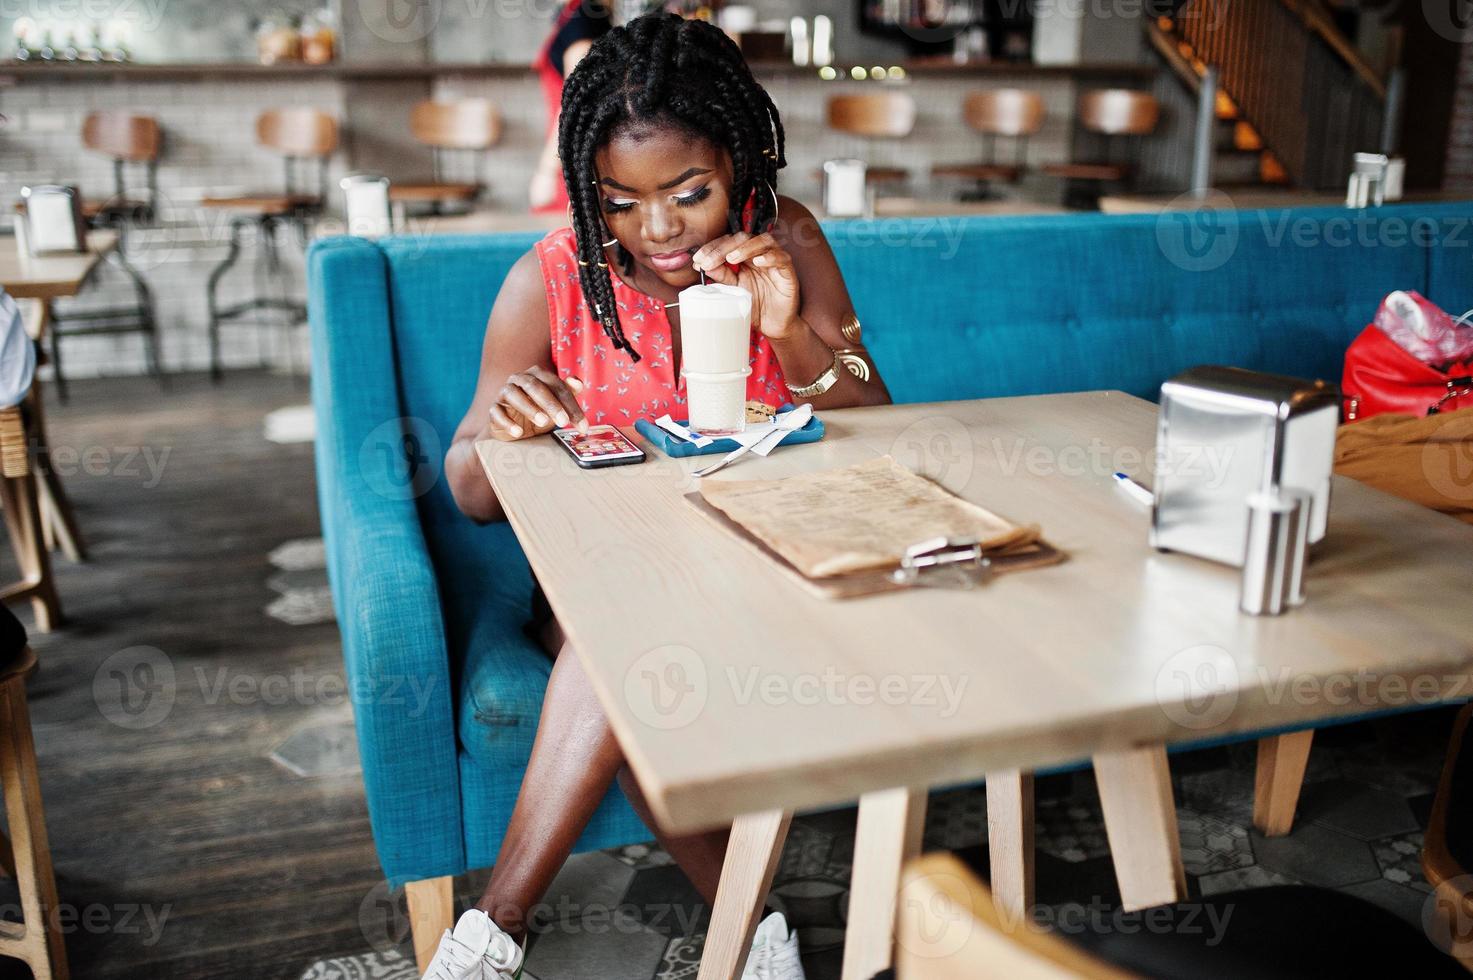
(853,359)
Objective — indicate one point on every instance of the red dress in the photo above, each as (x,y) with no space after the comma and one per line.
(617,390)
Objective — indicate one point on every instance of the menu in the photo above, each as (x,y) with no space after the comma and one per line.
(856,518)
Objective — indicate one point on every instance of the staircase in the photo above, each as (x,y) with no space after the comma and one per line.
(1295,101)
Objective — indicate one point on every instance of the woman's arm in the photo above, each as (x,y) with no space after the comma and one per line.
(825,307)
(800,302)
(513,400)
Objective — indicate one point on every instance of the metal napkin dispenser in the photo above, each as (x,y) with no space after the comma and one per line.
(1227,442)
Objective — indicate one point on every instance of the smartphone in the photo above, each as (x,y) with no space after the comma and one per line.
(601,445)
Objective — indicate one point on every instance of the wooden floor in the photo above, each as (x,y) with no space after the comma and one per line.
(254,871)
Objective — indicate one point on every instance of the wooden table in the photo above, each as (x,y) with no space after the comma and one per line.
(697,646)
(49,277)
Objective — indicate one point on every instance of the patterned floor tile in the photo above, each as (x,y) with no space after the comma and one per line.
(1226,793)
(1357,809)
(1070,829)
(299,553)
(805,854)
(295,423)
(816,907)
(649,855)
(303,607)
(368,966)
(682,959)
(1210,844)
(607,947)
(593,881)
(329,748)
(956,818)
(1317,855)
(1400,859)
(664,900)
(1406,903)
(1239,878)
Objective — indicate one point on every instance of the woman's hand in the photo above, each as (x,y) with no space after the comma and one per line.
(535,401)
(764,269)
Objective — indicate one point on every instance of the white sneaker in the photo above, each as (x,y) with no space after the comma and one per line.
(477,950)
(774,954)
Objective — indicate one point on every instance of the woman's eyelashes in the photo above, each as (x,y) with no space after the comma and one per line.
(689,199)
(694,197)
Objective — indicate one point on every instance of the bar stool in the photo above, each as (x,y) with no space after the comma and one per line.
(305,138)
(26,855)
(1111,114)
(128,139)
(20,499)
(1011,113)
(875,115)
(467,128)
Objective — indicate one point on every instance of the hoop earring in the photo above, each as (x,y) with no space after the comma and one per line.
(610,243)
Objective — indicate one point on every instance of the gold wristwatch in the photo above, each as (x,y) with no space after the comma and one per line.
(821,384)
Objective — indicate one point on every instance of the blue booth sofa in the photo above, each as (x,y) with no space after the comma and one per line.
(446,686)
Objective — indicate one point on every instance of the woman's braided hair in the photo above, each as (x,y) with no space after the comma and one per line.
(662,69)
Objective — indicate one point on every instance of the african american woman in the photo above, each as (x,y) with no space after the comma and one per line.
(670,152)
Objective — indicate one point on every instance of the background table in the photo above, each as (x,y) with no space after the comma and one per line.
(49,277)
(1108,656)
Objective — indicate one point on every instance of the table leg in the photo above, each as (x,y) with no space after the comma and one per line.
(752,854)
(1282,760)
(1010,842)
(1140,819)
(888,835)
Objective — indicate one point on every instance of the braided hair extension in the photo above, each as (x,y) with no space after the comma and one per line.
(665,70)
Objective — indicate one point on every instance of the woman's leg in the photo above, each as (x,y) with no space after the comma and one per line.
(574,761)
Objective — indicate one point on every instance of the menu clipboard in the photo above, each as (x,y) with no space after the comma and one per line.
(842,533)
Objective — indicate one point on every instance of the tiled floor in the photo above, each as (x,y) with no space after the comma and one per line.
(630,915)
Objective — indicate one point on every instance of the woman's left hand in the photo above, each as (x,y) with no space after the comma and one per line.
(763,268)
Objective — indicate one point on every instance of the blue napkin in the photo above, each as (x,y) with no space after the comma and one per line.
(679,448)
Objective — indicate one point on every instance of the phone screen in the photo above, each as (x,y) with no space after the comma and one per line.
(601,445)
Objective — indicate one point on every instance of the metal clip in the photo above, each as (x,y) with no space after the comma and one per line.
(948,563)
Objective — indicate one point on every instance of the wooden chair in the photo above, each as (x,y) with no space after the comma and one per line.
(875,115)
(1010,113)
(130,140)
(950,929)
(305,139)
(1447,846)
(1112,115)
(26,855)
(468,127)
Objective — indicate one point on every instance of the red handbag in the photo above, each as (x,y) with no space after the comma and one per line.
(1382,376)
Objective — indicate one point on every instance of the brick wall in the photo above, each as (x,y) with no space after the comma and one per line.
(210,148)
